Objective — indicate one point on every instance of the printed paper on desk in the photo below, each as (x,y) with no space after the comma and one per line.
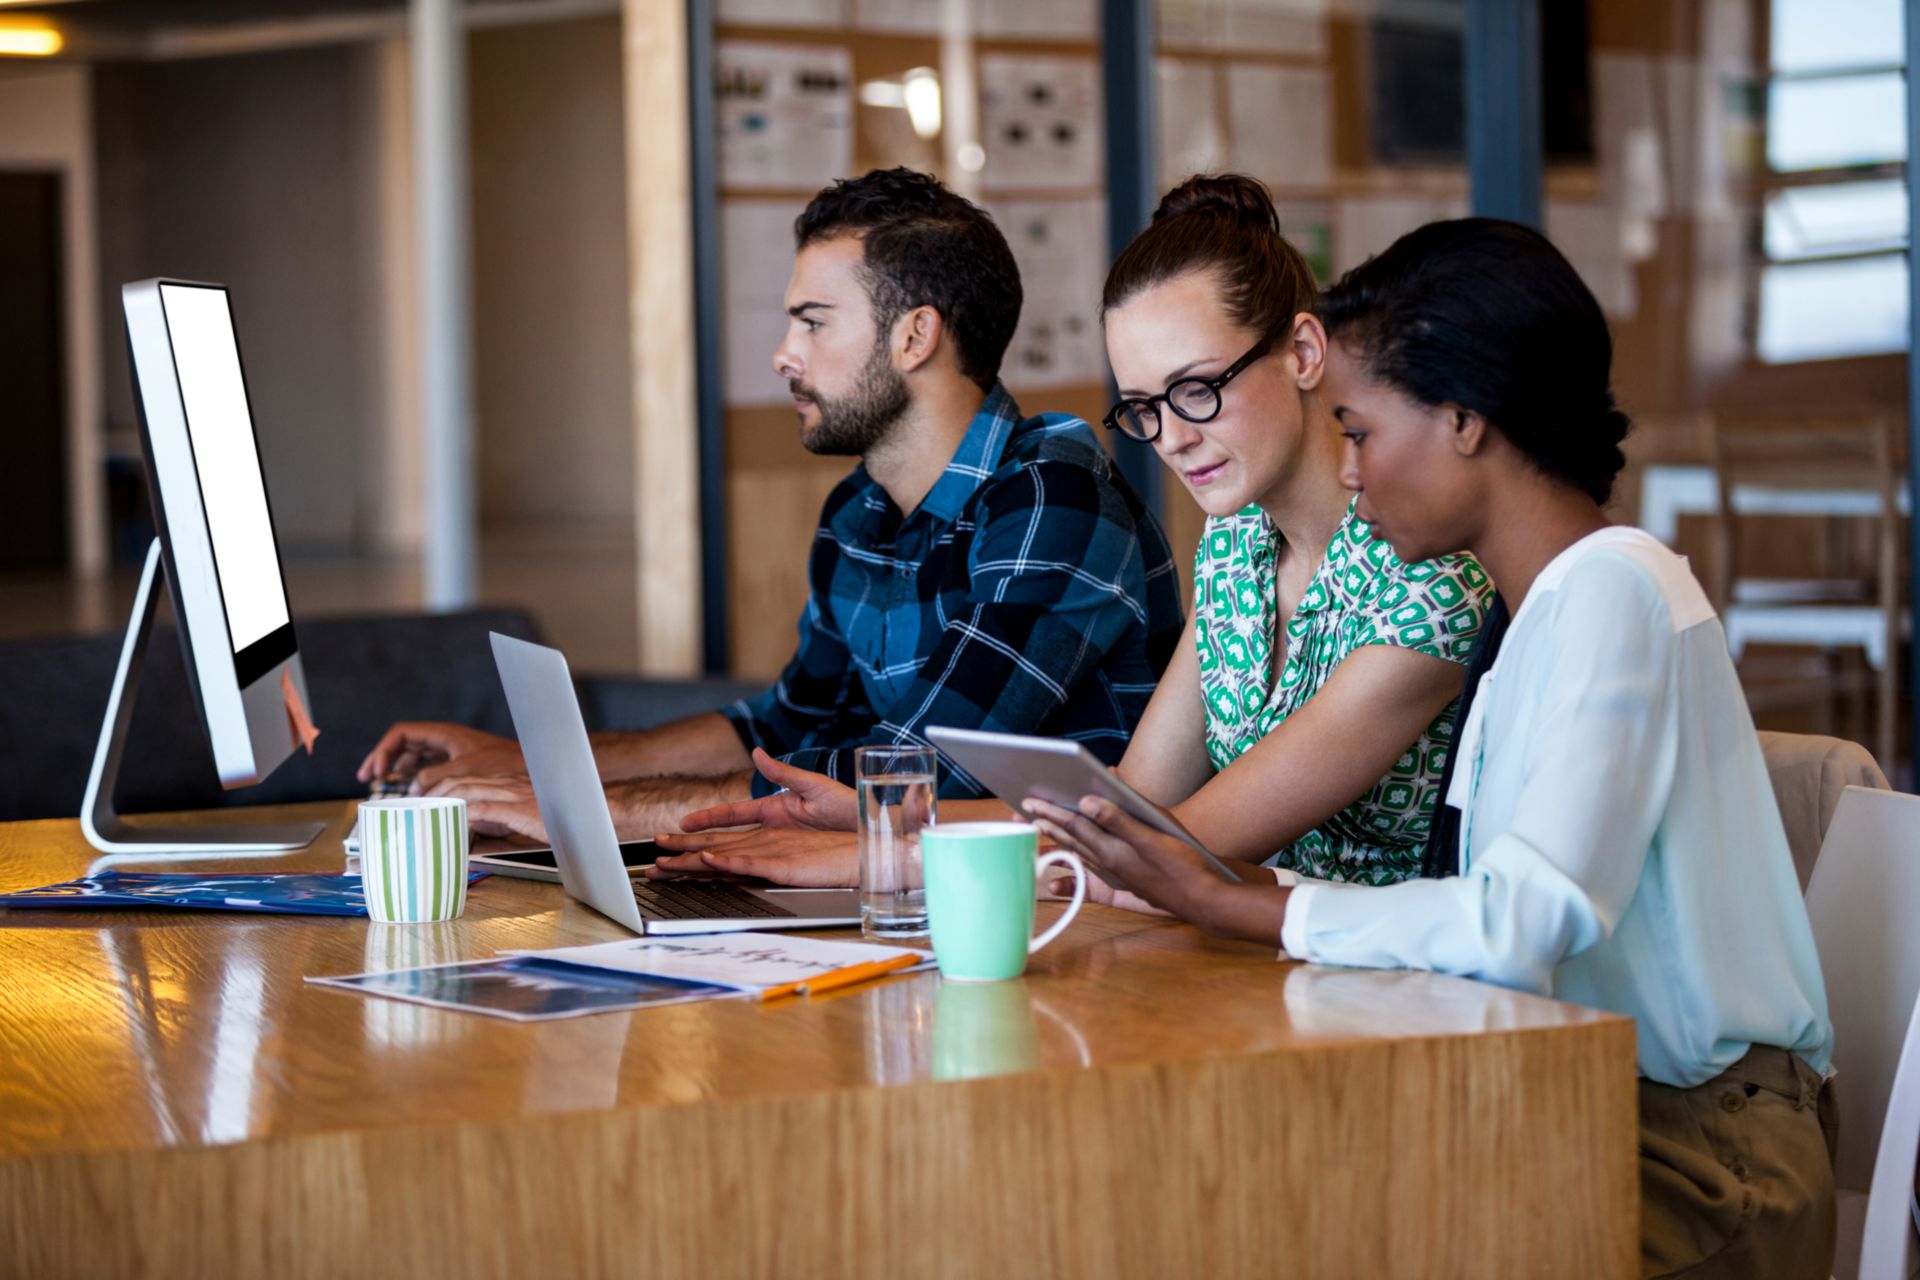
(743,961)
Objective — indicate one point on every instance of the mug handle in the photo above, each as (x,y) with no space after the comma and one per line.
(1065,859)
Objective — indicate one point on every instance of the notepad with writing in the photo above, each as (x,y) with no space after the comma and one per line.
(751,962)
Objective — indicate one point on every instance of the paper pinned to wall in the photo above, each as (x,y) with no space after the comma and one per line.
(1308,226)
(1061,246)
(1040,19)
(909,17)
(1273,26)
(1192,138)
(782,13)
(1281,120)
(1590,235)
(784,114)
(756,259)
(1187,24)
(1364,225)
(1041,122)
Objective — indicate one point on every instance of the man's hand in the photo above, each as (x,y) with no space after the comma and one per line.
(497,806)
(445,750)
(801,859)
(811,802)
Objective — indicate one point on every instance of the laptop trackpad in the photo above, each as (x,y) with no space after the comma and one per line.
(835,904)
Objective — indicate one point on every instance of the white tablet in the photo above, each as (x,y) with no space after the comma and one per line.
(1015,767)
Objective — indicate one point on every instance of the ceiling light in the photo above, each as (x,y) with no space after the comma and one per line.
(30,42)
(921,89)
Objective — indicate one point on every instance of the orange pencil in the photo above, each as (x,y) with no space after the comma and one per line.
(846,977)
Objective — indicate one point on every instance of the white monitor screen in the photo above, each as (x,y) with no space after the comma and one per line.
(214,396)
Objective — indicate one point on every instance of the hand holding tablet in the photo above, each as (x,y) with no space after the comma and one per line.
(1017,768)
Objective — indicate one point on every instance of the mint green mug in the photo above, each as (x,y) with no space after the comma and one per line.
(980,880)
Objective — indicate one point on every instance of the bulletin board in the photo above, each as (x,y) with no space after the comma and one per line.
(791,116)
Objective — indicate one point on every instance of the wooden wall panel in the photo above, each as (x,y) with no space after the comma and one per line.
(666,432)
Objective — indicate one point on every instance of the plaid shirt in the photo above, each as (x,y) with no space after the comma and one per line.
(1030,592)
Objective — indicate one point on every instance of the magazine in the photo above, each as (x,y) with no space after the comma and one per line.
(524,988)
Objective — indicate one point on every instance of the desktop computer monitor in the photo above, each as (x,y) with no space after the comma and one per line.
(217,550)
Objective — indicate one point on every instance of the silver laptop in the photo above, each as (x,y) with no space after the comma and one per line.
(566,784)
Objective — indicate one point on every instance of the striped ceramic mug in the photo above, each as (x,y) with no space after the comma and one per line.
(413,858)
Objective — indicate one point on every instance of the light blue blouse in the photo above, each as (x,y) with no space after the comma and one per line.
(1620,843)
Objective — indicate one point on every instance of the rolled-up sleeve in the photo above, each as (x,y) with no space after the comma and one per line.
(1557,878)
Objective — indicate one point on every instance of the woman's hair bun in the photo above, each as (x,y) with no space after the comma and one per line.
(1229,195)
(1223,225)
(1614,424)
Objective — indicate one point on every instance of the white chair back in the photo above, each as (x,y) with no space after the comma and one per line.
(1864,902)
(1888,1249)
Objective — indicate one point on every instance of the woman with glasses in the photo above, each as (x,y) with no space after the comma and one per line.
(1619,844)
(1306,716)
(1309,710)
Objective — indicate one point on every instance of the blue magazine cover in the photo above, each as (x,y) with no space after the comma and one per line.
(282,893)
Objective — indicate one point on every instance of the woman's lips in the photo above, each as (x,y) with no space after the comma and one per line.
(1205,475)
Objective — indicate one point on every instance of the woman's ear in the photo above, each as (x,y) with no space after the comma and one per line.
(1469,430)
(1309,350)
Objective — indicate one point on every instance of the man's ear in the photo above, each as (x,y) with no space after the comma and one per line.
(1308,348)
(1469,430)
(917,337)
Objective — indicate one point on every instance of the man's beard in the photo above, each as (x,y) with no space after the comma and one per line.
(850,425)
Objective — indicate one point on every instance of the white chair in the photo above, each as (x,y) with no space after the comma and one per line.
(1864,902)
(1887,1250)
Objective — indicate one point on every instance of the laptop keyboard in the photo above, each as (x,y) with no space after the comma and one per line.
(702,900)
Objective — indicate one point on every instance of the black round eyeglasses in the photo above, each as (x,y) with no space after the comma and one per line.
(1194,399)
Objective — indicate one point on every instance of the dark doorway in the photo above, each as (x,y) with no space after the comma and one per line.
(33,475)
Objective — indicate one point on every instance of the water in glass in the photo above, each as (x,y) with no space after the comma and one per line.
(896,796)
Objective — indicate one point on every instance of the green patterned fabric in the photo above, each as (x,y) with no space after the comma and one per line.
(1361,594)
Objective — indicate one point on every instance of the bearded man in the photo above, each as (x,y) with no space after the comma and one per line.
(978,569)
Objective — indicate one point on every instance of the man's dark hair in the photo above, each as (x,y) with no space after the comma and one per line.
(924,246)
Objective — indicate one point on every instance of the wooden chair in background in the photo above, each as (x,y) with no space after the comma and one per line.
(1780,476)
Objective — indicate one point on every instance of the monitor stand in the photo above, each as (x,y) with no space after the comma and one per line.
(106,830)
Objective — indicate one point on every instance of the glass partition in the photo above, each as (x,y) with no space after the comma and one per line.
(1351,113)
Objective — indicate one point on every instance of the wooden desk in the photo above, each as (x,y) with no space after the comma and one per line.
(176,1101)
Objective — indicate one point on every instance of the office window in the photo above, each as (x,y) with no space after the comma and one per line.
(1833,275)
(1826,310)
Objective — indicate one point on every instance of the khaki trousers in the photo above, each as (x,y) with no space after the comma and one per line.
(1736,1175)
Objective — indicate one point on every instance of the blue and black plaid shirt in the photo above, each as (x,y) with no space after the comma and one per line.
(1030,592)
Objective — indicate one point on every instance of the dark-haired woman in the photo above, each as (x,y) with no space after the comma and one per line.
(1619,843)
(1306,715)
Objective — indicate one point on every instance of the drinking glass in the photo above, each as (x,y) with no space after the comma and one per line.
(896,794)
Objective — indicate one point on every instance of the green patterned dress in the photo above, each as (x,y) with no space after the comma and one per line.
(1361,594)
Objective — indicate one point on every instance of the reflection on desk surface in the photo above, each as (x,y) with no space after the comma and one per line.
(145,1030)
